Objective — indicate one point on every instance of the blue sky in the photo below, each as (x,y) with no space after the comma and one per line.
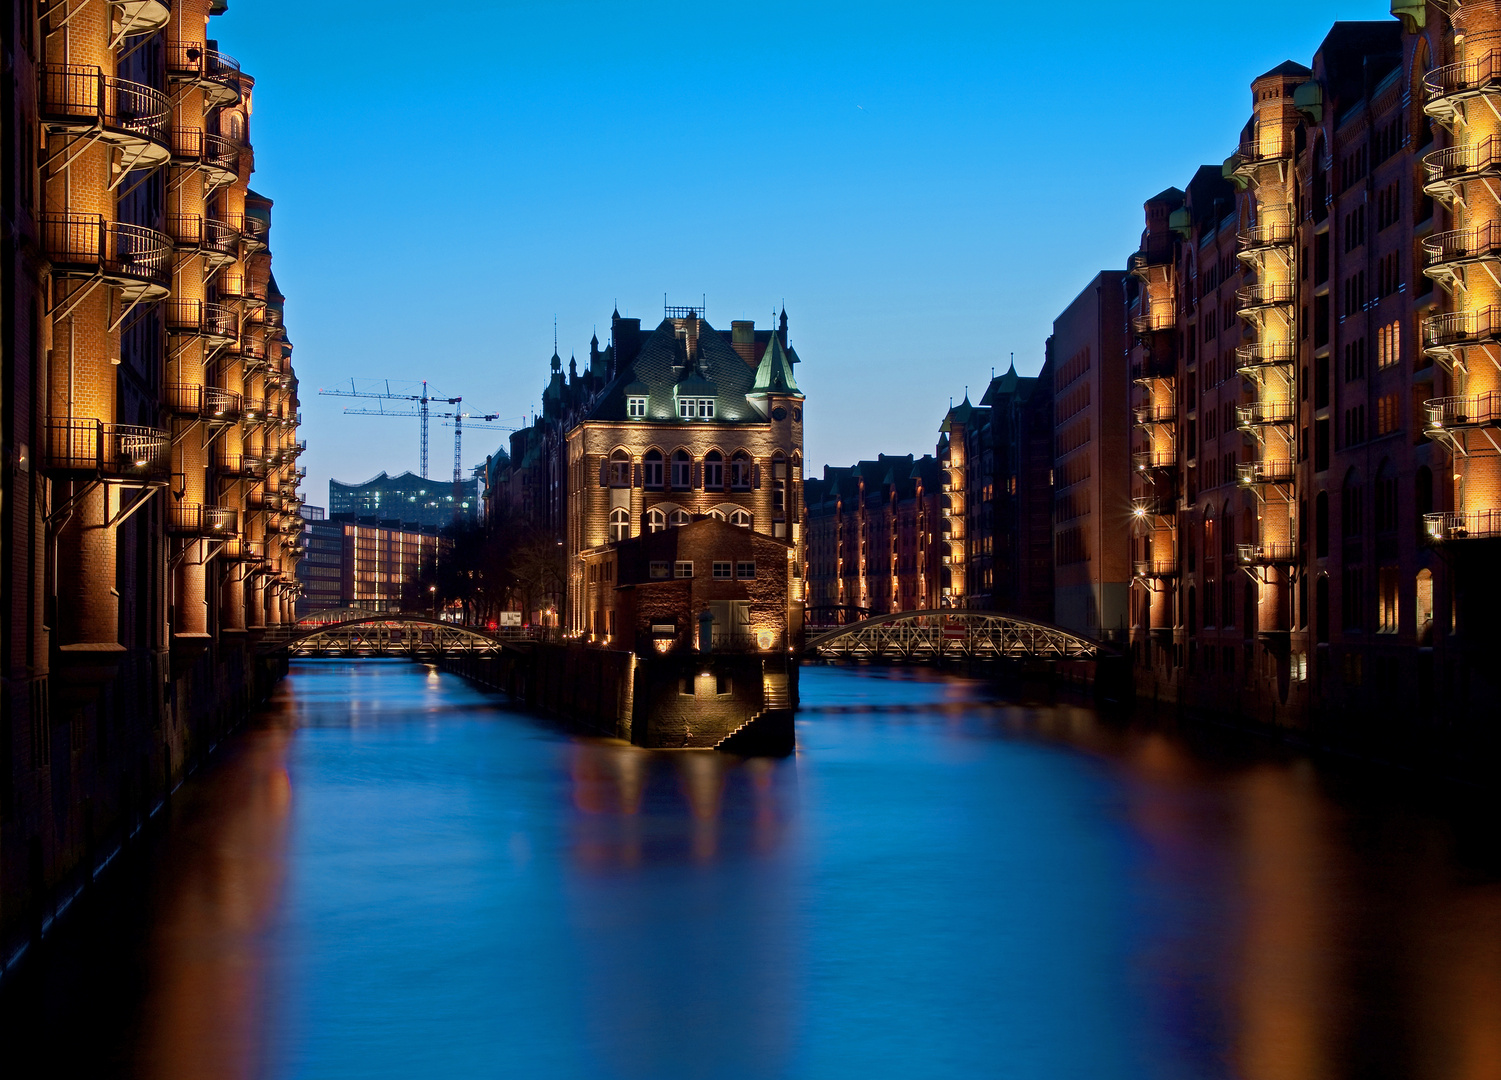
(925,185)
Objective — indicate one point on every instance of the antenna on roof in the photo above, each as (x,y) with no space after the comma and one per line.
(555,334)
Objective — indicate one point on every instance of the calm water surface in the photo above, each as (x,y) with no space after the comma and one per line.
(393,875)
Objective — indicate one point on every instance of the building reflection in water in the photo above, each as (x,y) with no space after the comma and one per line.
(935,879)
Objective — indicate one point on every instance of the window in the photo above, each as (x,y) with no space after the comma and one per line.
(653,467)
(683,570)
(661,571)
(1389,345)
(678,517)
(1389,274)
(1424,607)
(1386,600)
(1355,360)
(714,471)
(741,518)
(656,521)
(696,408)
(1388,413)
(779,483)
(1355,425)
(681,470)
(722,571)
(620,525)
(745,570)
(635,407)
(620,469)
(740,471)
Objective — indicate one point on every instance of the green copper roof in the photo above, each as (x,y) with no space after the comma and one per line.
(774,376)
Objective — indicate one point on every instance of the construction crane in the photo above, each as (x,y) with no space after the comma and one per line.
(456,421)
(423,400)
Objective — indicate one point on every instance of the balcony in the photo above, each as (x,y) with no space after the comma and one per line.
(264,500)
(1459,329)
(1155,568)
(1154,322)
(1258,152)
(1266,553)
(1153,261)
(1263,413)
(1147,460)
(217,241)
(1259,239)
(221,160)
(1448,169)
(1444,252)
(242,467)
(1259,473)
(256,231)
(135,259)
(1252,360)
(1447,88)
(191,519)
(201,65)
(194,318)
(1153,366)
(84,102)
(123,453)
(204,402)
(134,17)
(1474,525)
(1479,410)
(1145,506)
(244,550)
(1156,414)
(1266,295)
(252,354)
(253,411)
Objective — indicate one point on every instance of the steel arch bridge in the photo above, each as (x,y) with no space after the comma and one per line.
(929,633)
(395,635)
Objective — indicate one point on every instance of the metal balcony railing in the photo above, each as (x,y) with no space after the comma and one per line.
(1146,460)
(243,549)
(1265,235)
(1156,414)
(1264,354)
(204,402)
(83,98)
(1459,328)
(1154,322)
(1471,525)
(119,452)
(131,256)
(1254,473)
(264,500)
(1444,85)
(1154,365)
(192,519)
(256,231)
(221,159)
(217,73)
(1154,506)
(1261,413)
(1266,553)
(1155,568)
(1267,294)
(1456,164)
(1261,150)
(1463,245)
(190,317)
(1478,410)
(242,466)
(134,17)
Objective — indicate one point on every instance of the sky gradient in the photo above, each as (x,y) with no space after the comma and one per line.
(925,186)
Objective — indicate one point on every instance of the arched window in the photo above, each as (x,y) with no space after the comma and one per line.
(652,464)
(620,525)
(741,518)
(1386,498)
(682,466)
(1352,507)
(717,514)
(779,482)
(740,471)
(656,521)
(713,471)
(1424,607)
(678,517)
(236,128)
(620,469)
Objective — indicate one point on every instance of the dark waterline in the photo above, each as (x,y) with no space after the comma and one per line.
(392,875)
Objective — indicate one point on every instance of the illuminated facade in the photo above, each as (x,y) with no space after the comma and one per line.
(150,422)
(1314,360)
(407,498)
(366,564)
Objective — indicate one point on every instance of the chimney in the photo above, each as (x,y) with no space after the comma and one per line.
(743,339)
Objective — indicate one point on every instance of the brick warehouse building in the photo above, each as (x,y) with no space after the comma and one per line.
(150,428)
(1315,367)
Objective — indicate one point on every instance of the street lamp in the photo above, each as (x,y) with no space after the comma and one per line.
(433,590)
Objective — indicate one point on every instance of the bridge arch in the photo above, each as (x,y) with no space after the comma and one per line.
(929,632)
(393,634)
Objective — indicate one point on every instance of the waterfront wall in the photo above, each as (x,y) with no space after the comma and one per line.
(678,700)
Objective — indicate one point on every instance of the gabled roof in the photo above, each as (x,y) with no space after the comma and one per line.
(660,369)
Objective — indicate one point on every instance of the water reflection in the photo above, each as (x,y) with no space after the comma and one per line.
(394,876)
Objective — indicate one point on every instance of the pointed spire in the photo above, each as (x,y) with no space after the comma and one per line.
(774,375)
(782,325)
(573,367)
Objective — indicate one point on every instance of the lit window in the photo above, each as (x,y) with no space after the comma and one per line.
(722,571)
(683,570)
(660,571)
(635,407)
(620,525)
(656,521)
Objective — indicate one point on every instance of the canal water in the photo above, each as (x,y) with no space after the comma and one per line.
(392,874)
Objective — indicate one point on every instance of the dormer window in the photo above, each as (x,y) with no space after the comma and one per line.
(696,408)
(635,407)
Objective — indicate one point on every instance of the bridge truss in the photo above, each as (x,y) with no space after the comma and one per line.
(928,634)
(406,636)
